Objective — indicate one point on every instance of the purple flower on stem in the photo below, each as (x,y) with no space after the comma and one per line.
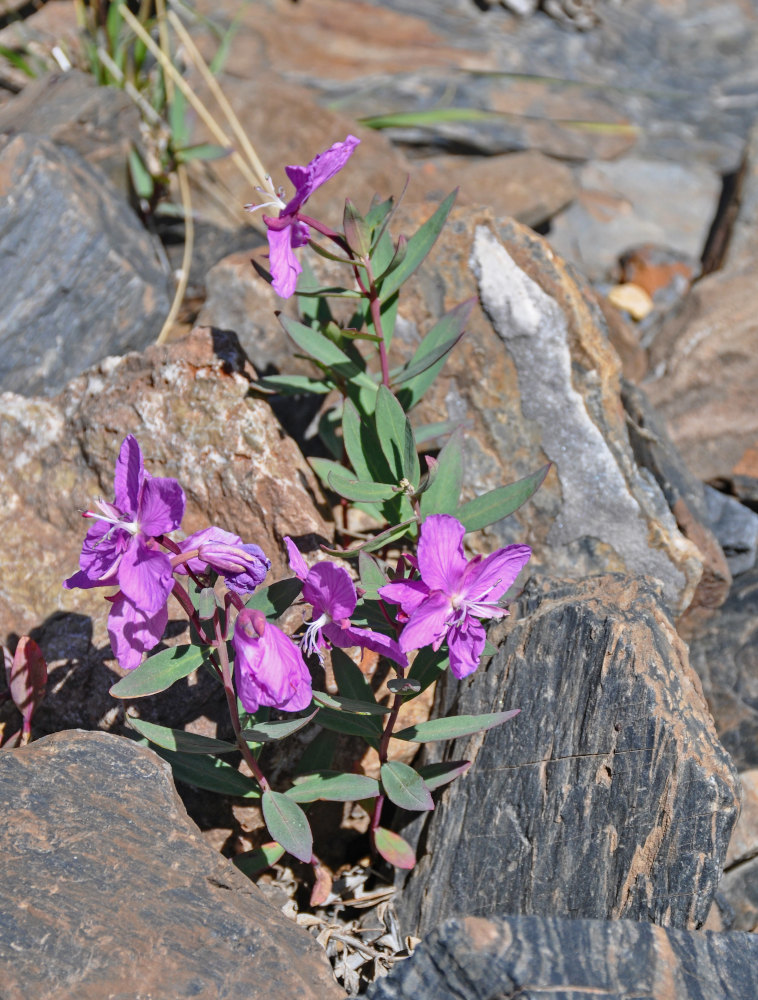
(118,549)
(269,669)
(288,232)
(134,632)
(453,592)
(243,566)
(330,591)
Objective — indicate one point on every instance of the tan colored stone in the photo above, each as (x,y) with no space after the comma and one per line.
(744,842)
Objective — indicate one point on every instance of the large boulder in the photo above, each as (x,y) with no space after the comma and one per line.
(608,796)
(508,957)
(108,889)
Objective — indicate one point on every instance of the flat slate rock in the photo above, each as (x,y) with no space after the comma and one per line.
(544,958)
(608,796)
(109,891)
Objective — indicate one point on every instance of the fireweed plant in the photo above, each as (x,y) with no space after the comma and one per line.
(422,615)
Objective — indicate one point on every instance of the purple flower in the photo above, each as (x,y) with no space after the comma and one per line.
(117,550)
(288,231)
(134,632)
(453,593)
(330,591)
(269,669)
(243,566)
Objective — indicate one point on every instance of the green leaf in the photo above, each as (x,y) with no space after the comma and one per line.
(351,680)
(456,725)
(437,775)
(441,428)
(17,61)
(445,490)
(319,347)
(427,666)
(405,787)
(293,385)
(349,704)
(363,447)
(437,343)
(412,370)
(393,848)
(210,773)
(371,575)
(396,437)
(207,604)
(177,739)
(201,151)
(142,179)
(270,732)
(252,863)
(178,120)
(376,542)
(274,600)
(419,246)
(499,503)
(287,824)
(348,486)
(160,671)
(333,786)
(352,725)
(319,753)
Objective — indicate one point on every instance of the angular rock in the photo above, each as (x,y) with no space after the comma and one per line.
(109,890)
(724,653)
(508,957)
(608,796)
(737,898)
(630,201)
(536,379)
(736,528)
(99,123)
(81,276)
(190,407)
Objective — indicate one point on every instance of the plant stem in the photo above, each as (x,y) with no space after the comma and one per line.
(383,749)
(376,315)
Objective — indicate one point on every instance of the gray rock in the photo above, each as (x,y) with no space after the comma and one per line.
(724,653)
(542,958)
(608,796)
(81,276)
(736,528)
(108,889)
(634,201)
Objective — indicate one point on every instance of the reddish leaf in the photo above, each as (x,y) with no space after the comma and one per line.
(27,679)
(393,848)
(323,884)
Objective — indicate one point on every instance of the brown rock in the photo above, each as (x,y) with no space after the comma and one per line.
(704,374)
(608,796)
(744,842)
(109,890)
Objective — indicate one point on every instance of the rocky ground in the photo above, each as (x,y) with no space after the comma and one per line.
(607,162)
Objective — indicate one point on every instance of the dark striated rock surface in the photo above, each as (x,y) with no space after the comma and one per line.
(81,276)
(608,796)
(526,958)
(108,889)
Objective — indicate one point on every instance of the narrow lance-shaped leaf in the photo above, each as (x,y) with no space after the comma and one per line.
(270,732)
(325,351)
(160,671)
(287,824)
(178,740)
(365,726)
(365,491)
(391,431)
(437,775)
(445,490)
(405,787)
(252,863)
(500,503)
(332,786)
(444,334)
(210,773)
(419,246)
(457,725)
(274,600)
(349,704)
(351,681)
(371,575)
(393,848)
(377,542)
(26,675)
(292,385)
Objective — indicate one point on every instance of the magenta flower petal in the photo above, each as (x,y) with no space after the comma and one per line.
(441,560)
(329,589)
(285,267)
(428,623)
(366,638)
(488,579)
(268,668)
(465,643)
(133,632)
(129,476)
(246,580)
(407,593)
(145,576)
(103,546)
(321,169)
(198,538)
(161,506)
(296,561)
